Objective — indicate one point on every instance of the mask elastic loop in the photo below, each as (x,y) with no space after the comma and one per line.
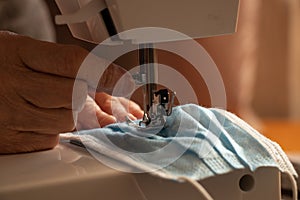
(204,194)
(294,185)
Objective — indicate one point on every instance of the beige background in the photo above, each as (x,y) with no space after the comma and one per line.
(275,95)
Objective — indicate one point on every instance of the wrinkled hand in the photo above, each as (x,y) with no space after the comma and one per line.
(106,109)
(37,80)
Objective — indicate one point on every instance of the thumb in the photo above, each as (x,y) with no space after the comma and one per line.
(72,61)
(51,58)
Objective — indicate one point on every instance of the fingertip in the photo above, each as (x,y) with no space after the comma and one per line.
(131,116)
(107,120)
(137,112)
(132,107)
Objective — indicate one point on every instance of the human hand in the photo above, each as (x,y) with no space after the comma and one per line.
(37,80)
(106,109)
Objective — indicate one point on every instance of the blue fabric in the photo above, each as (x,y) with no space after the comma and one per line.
(196,142)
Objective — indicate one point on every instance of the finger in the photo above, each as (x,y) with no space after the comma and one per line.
(48,121)
(117,81)
(112,106)
(104,101)
(87,118)
(93,117)
(51,91)
(132,108)
(104,118)
(20,142)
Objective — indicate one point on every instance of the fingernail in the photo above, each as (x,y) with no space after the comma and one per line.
(107,120)
(132,117)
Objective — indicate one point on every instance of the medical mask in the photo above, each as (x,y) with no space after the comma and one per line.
(195,143)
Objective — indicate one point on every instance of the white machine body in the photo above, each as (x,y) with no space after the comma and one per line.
(195,18)
(70,172)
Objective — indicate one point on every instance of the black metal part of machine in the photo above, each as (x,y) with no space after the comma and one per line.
(157,104)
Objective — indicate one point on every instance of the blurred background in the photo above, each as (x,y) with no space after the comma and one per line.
(277,85)
(260,64)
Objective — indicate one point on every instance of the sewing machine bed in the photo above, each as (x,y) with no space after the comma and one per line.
(69,172)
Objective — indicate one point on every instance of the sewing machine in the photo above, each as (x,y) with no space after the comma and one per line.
(97,20)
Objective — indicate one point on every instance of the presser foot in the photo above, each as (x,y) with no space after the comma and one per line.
(156,116)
